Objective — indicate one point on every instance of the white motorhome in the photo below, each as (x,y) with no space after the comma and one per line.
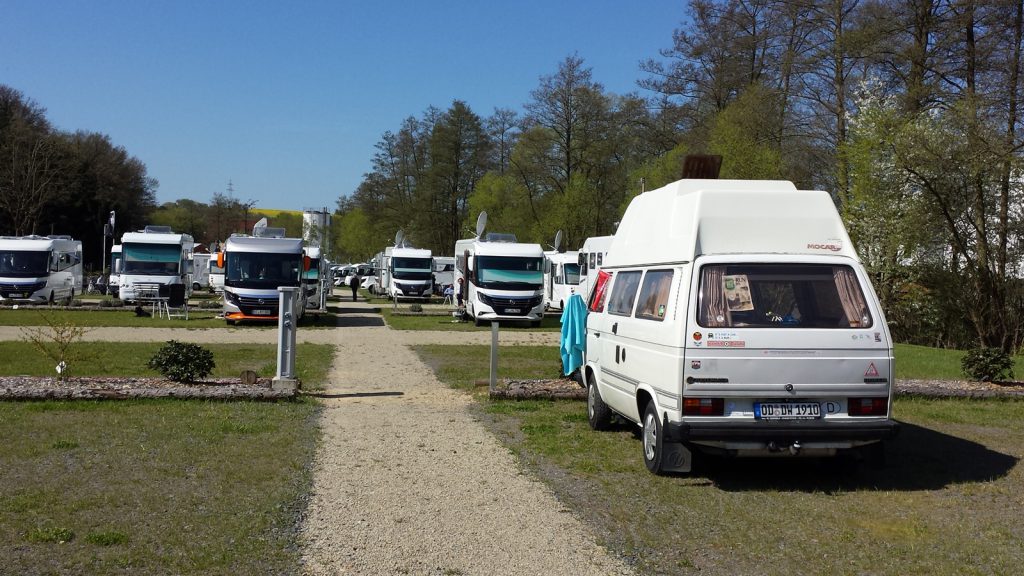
(40,269)
(255,266)
(114,278)
(444,273)
(591,259)
(502,279)
(201,271)
(735,317)
(410,273)
(382,272)
(561,278)
(154,256)
(312,278)
(216,274)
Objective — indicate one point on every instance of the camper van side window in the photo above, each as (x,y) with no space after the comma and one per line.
(624,292)
(593,259)
(653,301)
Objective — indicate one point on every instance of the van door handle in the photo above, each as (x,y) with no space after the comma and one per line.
(616,354)
(615,328)
(597,334)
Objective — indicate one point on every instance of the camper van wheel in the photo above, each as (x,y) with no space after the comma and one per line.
(535,324)
(70,298)
(196,286)
(478,322)
(598,413)
(49,300)
(652,437)
(231,322)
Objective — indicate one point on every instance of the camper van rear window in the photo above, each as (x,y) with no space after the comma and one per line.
(781,296)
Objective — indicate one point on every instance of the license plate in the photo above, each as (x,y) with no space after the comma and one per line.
(16,295)
(261,312)
(511,310)
(787,410)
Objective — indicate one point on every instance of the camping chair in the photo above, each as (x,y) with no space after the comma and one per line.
(177,303)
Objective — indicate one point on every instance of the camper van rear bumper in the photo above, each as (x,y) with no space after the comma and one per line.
(803,431)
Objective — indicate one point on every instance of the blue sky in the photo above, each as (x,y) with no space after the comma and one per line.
(287,99)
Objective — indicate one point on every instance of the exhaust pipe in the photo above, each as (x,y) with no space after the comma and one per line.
(794,448)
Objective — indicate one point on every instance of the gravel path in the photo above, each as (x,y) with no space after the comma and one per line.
(406,481)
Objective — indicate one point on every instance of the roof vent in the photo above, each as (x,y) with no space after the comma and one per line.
(500,237)
(152,229)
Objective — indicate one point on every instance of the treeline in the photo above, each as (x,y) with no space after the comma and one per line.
(908,112)
(54,182)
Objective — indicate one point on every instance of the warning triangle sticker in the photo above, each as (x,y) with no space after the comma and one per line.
(871,371)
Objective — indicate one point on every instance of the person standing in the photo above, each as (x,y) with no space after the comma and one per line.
(353,283)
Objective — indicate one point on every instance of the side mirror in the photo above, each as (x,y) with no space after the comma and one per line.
(305,263)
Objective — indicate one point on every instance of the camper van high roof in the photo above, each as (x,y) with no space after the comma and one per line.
(701,217)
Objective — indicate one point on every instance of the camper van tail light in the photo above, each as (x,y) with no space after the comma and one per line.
(703,406)
(867,406)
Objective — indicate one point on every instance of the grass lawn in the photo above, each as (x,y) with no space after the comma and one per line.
(153,487)
(121,359)
(947,502)
(118,317)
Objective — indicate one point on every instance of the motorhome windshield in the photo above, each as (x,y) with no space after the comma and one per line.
(151,259)
(571,274)
(21,263)
(261,270)
(509,272)
(411,268)
(781,296)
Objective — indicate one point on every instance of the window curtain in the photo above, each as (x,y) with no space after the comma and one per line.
(850,295)
(712,304)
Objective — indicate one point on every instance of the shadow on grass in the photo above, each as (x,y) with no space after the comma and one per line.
(917,459)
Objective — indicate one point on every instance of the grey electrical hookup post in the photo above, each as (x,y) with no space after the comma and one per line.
(287,324)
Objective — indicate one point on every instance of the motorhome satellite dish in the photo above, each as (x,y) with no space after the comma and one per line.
(558,241)
(481,223)
(399,239)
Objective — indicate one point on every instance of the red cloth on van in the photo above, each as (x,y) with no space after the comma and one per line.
(597,301)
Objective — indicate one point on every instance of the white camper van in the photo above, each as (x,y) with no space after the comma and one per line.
(734,317)
(591,259)
(155,256)
(502,279)
(114,279)
(411,273)
(254,268)
(40,269)
(561,278)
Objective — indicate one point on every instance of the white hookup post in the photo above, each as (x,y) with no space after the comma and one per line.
(493,384)
(287,324)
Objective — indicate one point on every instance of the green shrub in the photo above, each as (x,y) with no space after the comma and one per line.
(416,308)
(111,302)
(987,365)
(182,361)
